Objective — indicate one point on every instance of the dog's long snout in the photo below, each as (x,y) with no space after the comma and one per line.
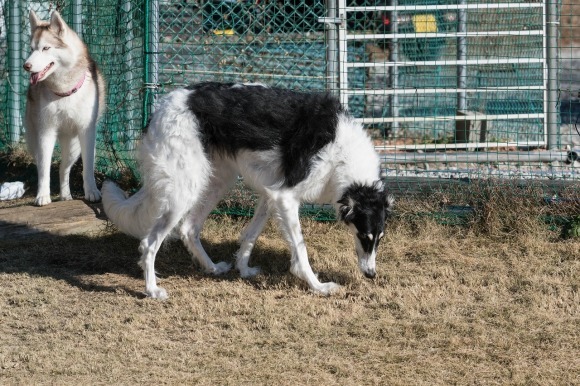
(27,66)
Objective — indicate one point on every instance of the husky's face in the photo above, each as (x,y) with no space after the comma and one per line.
(365,209)
(48,47)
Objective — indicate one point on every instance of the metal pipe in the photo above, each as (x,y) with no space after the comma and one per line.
(434,7)
(394,70)
(14,71)
(331,52)
(552,21)
(462,55)
(471,157)
(151,57)
(129,68)
(154,49)
(77,17)
(342,55)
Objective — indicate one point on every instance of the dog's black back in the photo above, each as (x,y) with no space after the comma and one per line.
(236,117)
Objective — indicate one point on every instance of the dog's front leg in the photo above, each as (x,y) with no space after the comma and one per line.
(43,156)
(87,139)
(70,151)
(288,214)
(248,239)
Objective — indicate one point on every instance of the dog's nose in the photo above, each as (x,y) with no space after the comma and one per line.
(371,274)
(27,66)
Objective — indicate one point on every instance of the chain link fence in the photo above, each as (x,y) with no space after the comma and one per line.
(451,90)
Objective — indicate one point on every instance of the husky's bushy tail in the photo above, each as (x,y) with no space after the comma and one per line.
(174,167)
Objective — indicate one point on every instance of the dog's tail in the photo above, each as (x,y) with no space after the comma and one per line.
(131,215)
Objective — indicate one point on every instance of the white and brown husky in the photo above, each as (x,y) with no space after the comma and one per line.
(290,147)
(65,98)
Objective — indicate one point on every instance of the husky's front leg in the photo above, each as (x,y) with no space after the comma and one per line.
(70,150)
(43,147)
(288,215)
(87,139)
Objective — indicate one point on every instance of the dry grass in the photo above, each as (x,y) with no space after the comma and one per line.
(474,304)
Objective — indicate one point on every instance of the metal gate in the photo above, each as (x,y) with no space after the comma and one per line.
(440,74)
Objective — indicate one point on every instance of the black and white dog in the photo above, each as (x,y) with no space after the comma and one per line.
(290,147)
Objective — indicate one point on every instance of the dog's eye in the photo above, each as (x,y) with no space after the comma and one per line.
(381,235)
(46,48)
(365,236)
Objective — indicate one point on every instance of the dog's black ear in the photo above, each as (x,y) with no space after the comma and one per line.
(57,23)
(388,199)
(346,209)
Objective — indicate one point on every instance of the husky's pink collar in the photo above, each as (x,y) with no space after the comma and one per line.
(74,89)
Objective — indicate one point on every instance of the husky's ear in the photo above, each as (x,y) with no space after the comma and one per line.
(57,23)
(346,209)
(34,20)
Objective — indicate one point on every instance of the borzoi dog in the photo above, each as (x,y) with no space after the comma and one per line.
(290,147)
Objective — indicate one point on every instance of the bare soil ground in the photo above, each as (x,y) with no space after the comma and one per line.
(493,301)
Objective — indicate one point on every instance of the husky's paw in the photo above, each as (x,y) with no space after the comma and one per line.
(219,268)
(42,200)
(93,195)
(248,272)
(65,197)
(326,289)
(157,293)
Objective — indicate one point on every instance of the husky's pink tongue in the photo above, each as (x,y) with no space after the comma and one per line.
(35,77)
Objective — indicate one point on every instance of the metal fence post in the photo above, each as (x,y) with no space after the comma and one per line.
(462,56)
(14,68)
(394,70)
(77,17)
(552,21)
(332,50)
(151,57)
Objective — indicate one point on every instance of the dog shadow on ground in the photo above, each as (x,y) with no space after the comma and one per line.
(90,263)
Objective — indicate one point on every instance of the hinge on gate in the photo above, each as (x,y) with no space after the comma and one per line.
(330,20)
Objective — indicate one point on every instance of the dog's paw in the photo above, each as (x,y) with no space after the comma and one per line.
(248,272)
(326,289)
(157,293)
(65,197)
(42,200)
(219,268)
(93,195)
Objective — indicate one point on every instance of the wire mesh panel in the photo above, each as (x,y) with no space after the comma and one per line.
(455,78)
(432,60)
(278,43)
(569,73)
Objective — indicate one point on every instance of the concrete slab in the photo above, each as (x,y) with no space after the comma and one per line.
(60,218)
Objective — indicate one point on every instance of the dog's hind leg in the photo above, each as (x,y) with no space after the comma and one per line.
(248,239)
(149,247)
(287,208)
(192,226)
(70,150)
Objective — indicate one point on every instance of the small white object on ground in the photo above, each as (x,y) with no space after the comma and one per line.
(11,190)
